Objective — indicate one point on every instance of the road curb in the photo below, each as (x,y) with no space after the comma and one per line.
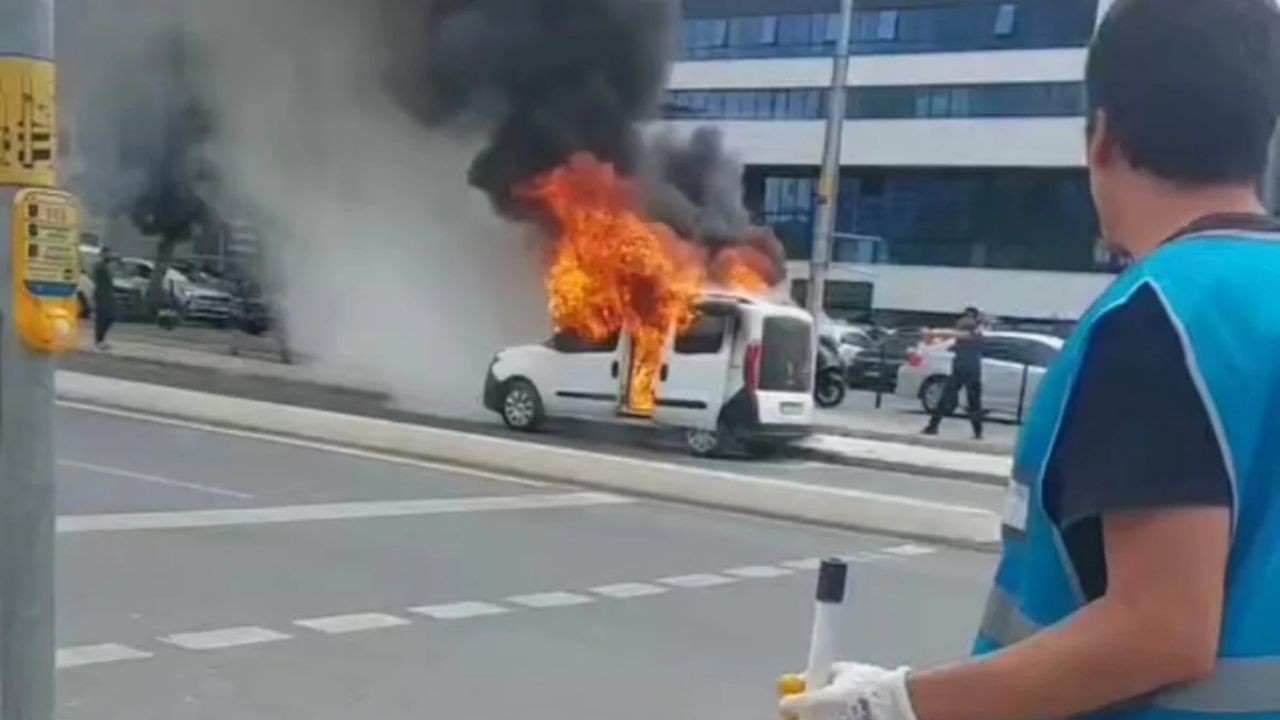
(834,458)
(836,507)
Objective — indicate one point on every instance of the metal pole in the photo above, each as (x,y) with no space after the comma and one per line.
(1271,179)
(26,419)
(829,181)
(880,377)
(1022,392)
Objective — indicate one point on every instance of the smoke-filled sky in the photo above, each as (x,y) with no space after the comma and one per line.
(348,132)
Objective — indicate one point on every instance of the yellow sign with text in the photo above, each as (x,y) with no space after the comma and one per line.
(28,122)
(46,262)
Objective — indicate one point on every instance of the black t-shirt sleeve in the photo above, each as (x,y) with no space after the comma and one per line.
(1136,434)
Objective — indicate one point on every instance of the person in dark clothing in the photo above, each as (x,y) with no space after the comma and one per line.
(104,299)
(966,374)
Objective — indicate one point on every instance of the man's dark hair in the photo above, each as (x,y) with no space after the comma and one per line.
(1190,88)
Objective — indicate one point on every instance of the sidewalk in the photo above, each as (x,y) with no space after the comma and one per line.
(854,434)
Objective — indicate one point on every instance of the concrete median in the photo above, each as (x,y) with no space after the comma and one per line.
(671,481)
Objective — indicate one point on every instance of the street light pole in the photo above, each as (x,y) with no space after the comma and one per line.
(829,181)
(28,129)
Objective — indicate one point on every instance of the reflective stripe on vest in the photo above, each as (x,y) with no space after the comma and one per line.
(1237,685)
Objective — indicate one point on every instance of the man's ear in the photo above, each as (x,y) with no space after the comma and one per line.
(1102,149)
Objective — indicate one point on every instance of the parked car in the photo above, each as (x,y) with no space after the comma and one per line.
(193,294)
(1008,358)
(877,366)
(742,375)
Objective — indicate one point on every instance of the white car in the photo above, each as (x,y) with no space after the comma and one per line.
(1008,358)
(742,375)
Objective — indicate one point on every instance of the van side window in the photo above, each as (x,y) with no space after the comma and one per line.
(567,342)
(706,337)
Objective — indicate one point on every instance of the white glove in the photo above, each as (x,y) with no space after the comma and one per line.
(856,692)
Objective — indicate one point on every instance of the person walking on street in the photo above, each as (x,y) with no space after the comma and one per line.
(1139,576)
(104,299)
(966,374)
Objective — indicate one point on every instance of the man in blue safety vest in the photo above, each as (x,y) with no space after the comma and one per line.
(1141,569)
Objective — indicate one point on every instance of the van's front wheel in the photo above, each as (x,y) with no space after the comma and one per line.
(706,443)
(522,406)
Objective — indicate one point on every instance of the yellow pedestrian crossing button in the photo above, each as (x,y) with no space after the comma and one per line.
(46,262)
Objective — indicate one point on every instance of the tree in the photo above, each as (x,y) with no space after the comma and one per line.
(171,203)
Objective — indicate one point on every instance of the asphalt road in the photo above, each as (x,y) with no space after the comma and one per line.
(188,558)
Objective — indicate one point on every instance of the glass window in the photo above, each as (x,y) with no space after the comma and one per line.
(940,102)
(715,105)
(833,29)
(713,34)
(749,32)
(866,23)
(960,102)
(780,101)
(764,104)
(922,102)
(793,30)
(568,342)
(1006,20)
(706,337)
(887,25)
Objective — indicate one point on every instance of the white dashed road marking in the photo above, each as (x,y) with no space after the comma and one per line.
(549,600)
(758,572)
(96,654)
(909,550)
(623,591)
(71,657)
(701,580)
(339,624)
(459,611)
(225,638)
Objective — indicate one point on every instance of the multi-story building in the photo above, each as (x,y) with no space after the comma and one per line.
(963,179)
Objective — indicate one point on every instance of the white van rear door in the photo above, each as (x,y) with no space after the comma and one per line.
(692,387)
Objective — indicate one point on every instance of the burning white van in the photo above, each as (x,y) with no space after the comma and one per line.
(742,374)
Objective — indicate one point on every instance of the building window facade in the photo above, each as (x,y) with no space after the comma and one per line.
(893,27)
(1027,219)
(882,103)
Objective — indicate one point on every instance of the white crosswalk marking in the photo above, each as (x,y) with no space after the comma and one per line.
(459,610)
(339,624)
(805,564)
(97,654)
(225,638)
(758,572)
(700,580)
(549,600)
(628,590)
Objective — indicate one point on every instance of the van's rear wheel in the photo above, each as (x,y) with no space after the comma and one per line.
(706,443)
(522,406)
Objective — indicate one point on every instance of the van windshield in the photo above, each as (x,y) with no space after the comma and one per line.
(787,362)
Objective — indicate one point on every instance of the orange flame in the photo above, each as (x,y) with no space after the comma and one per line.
(742,268)
(613,271)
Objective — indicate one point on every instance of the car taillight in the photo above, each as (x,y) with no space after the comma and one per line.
(751,367)
(915,359)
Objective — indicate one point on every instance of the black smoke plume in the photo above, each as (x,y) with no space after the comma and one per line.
(548,78)
(544,78)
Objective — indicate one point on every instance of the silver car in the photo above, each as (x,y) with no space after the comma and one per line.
(1013,364)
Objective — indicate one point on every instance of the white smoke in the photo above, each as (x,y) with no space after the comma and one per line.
(393,274)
